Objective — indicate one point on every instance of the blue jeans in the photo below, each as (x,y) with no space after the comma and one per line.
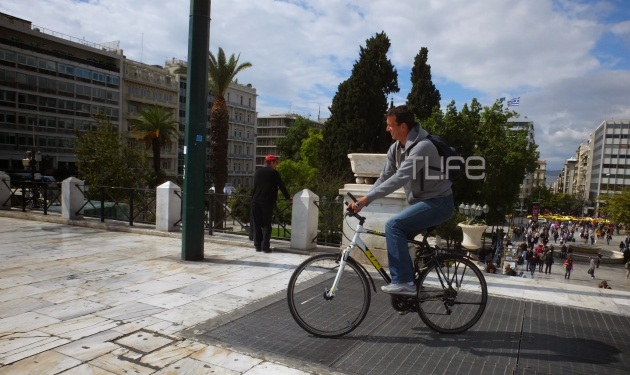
(407,224)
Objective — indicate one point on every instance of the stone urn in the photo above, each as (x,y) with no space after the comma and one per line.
(367,167)
(472,235)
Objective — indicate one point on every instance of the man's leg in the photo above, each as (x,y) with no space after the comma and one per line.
(256,229)
(407,224)
(267,214)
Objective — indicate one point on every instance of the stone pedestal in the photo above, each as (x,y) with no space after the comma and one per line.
(72,198)
(5,191)
(168,206)
(304,219)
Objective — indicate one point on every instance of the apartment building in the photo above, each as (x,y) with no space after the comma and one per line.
(50,85)
(609,156)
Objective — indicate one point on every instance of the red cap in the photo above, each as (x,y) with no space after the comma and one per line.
(270,158)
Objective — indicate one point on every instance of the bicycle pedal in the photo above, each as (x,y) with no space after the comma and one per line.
(403,312)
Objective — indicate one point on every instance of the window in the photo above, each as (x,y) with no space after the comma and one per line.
(64,123)
(47,65)
(83,90)
(82,73)
(7,117)
(96,76)
(112,80)
(27,60)
(65,69)
(67,87)
(7,55)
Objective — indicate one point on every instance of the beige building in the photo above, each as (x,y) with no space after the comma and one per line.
(241,103)
(146,86)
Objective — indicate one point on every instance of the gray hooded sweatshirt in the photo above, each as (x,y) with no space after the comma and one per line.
(406,167)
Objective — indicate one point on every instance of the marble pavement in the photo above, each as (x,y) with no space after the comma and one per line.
(79,300)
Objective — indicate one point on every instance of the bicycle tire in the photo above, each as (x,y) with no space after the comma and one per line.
(456,309)
(334,316)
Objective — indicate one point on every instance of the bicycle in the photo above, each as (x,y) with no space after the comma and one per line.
(329,294)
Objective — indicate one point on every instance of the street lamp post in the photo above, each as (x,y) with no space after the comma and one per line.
(30,162)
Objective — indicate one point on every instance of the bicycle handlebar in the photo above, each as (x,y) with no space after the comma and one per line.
(349,211)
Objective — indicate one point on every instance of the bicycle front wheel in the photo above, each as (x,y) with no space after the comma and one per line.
(320,314)
(453,294)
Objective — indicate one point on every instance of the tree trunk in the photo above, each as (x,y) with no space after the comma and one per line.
(219,147)
(155,146)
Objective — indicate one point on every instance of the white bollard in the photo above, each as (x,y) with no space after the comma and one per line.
(5,191)
(72,198)
(304,220)
(168,206)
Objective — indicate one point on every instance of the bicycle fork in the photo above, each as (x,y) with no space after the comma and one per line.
(343,259)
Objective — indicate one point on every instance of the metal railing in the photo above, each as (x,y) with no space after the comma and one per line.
(330,228)
(120,204)
(33,196)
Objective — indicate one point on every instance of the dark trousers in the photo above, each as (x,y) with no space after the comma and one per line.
(261,224)
(547,268)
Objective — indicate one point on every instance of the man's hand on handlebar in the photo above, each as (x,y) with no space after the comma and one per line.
(357,206)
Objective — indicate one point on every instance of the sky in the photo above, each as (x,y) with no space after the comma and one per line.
(567,60)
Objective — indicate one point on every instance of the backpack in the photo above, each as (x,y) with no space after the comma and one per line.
(448,154)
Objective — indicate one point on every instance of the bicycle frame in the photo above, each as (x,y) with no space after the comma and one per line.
(358,242)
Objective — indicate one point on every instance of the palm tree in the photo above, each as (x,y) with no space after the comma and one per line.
(221,73)
(155,126)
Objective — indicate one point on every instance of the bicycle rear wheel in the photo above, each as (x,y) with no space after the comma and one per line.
(328,316)
(453,294)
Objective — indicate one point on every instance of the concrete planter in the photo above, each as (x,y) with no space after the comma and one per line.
(472,235)
(367,167)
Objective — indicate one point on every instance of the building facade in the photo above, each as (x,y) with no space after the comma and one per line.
(241,103)
(145,86)
(50,85)
(609,155)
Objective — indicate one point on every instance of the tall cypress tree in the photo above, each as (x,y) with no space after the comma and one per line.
(423,96)
(357,121)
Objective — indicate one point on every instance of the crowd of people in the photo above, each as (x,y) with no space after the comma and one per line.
(540,244)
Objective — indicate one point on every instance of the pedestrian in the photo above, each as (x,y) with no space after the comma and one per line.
(591,267)
(598,261)
(267,181)
(622,246)
(548,262)
(628,270)
(604,285)
(533,262)
(568,267)
(540,261)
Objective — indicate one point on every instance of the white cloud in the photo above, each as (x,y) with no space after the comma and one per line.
(301,50)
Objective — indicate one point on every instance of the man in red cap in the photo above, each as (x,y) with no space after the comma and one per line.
(267,181)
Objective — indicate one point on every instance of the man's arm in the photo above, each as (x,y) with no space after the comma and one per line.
(283,188)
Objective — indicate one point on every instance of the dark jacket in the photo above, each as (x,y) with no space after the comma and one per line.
(267,181)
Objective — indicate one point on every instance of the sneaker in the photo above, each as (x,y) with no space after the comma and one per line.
(401,289)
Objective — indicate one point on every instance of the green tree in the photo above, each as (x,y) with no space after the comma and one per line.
(221,72)
(289,146)
(311,147)
(357,121)
(618,207)
(105,158)
(156,127)
(424,97)
(508,157)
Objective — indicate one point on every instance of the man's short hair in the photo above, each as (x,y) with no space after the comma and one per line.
(402,113)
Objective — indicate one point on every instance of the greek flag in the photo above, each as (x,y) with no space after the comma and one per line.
(514,102)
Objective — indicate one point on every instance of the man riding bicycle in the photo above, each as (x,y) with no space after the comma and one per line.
(430,199)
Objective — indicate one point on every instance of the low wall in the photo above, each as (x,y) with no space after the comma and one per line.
(582,252)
